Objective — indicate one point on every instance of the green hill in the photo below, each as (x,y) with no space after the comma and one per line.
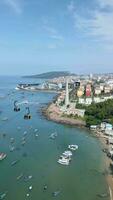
(50,75)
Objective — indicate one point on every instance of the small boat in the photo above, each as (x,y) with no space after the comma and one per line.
(56,193)
(63,161)
(53,135)
(20,176)
(14,162)
(104,195)
(3,195)
(2,156)
(30,187)
(35,130)
(27,178)
(36,135)
(11,148)
(27,194)
(73,147)
(12,140)
(5,119)
(67,153)
(45,187)
(25,133)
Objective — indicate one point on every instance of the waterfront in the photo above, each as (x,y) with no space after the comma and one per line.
(82,179)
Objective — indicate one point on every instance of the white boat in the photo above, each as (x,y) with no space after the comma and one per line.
(63,161)
(67,153)
(2,156)
(73,147)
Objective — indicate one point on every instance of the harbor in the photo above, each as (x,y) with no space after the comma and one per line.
(32,168)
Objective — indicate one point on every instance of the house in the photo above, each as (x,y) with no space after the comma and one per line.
(107,89)
(97,91)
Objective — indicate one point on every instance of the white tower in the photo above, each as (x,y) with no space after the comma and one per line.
(67,94)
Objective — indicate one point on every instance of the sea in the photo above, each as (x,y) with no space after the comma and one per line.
(36,160)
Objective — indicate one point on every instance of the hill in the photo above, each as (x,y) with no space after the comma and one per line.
(50,75)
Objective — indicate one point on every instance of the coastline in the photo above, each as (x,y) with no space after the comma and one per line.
(51,112)
(107,160)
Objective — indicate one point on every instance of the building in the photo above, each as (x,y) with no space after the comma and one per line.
(88,90)
(97,91)
(80,92)
(67,94)
(107,89)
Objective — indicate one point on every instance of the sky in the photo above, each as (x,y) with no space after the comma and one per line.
(49,35)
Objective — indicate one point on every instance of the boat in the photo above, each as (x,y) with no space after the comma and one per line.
(35,130)
(12,140)
(56,193)
(30,187)
(5,119)
(63,161)
(14,162)
(20,176)
(2,156)
(53,135)
(27,178)
(3,195)
(73,147)
(11,148)
(67,153)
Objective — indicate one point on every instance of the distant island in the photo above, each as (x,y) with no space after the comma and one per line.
(50,75)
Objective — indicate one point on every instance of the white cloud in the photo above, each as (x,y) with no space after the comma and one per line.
(15,5)
(99,25)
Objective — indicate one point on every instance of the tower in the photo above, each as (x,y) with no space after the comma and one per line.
(67,94)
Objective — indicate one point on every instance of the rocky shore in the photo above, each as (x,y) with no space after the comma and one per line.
(52,112)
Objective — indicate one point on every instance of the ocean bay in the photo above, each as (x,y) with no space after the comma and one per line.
(83,178)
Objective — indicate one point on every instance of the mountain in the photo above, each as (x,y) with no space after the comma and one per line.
(50,75)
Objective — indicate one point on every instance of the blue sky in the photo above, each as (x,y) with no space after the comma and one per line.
(44,35)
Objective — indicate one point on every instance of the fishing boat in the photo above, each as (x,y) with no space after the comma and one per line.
(2,156)
(73,147)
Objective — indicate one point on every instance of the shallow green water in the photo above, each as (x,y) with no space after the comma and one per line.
(82,179)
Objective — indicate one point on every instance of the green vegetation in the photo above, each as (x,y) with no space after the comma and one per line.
(96,113)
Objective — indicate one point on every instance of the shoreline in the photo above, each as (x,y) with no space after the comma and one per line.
(51,113)
(107,160)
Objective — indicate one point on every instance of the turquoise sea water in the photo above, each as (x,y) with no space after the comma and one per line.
(83,179)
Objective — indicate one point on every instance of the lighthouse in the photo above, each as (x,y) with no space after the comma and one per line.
(67,94)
